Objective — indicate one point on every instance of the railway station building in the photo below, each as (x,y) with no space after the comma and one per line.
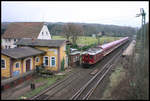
(31,53)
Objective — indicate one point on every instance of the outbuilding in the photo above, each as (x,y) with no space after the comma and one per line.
(74,57)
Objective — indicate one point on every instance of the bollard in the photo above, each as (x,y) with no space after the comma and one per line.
(32,86)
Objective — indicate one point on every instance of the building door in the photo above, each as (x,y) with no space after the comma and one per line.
(28,64)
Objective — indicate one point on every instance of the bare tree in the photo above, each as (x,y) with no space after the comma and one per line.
(72,30)
(77,30)
(67,31)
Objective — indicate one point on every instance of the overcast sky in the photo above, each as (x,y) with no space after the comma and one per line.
(117,13)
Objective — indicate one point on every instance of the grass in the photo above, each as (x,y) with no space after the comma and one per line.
(49,82)
(115,79)
(86,40)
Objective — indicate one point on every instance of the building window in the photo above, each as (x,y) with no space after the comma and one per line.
(9,40)
(6,46)
(3,64)
(17,65)
(14,40)
(45,62)
(53,61)
(74,59)
(37,59)
(42,33)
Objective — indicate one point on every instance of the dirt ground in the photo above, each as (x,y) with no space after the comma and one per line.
(16,92)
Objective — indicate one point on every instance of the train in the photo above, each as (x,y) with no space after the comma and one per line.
(94,55)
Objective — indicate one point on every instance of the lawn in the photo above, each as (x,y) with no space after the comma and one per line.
(87,40)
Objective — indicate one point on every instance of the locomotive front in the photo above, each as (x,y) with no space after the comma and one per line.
(87,59)
(91,56)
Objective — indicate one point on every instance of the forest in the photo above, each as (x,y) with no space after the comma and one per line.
(88,28)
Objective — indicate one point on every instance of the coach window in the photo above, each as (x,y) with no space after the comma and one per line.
(3,64)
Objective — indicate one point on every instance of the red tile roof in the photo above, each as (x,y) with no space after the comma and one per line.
(23,30)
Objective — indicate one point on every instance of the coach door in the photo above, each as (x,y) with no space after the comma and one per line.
(28,65)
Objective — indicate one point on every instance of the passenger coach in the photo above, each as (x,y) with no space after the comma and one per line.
(93,55)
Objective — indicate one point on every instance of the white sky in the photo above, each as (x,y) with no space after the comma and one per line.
(111,12)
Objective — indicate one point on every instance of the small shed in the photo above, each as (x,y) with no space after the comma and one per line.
(74,57)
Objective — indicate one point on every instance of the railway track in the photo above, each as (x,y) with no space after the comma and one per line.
(90,86)
(55,88)
(62,84)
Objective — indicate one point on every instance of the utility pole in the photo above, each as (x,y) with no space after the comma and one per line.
(143,32)
(142,13)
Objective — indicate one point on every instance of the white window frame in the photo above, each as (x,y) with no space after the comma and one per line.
(51,61)
(5,63)
(38,59)
(44,61)
(16,63)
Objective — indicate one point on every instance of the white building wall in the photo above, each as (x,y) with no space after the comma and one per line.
(44,34)
(8,43)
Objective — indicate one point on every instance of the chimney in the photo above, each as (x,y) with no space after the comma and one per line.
(32,41)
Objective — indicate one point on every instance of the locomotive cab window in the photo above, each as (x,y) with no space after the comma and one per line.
(91,56)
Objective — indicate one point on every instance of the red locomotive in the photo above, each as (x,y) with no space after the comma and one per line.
(93,55)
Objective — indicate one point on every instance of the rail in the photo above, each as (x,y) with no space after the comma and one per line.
(51,87)
(80,93)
